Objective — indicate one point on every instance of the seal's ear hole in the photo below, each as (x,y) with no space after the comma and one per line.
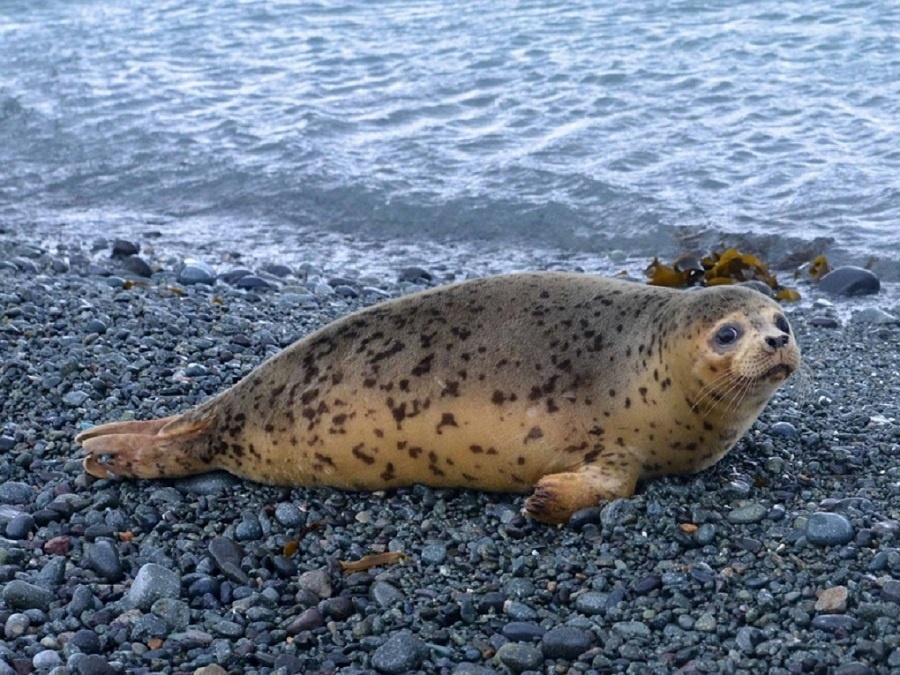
(727,335)
(782,324)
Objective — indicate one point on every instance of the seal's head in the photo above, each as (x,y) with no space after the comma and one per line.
(744,350)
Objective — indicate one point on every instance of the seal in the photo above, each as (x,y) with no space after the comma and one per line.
(570,385)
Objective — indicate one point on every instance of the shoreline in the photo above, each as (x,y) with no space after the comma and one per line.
(783,557)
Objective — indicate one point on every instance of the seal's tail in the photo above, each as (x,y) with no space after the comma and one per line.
(163,448)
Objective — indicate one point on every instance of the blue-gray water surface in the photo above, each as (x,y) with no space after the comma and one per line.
(644,126)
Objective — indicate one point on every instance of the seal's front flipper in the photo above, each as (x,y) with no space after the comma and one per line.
(164,448)
(557,496)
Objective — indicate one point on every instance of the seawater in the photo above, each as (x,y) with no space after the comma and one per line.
(645,126)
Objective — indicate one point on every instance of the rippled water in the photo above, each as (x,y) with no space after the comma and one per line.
(577,125)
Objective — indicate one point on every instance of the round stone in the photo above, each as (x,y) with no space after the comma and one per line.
(18,594)
(194,271)
(14,492)
(520,657)
(829,529)
(850,280)
(103,557)
(784,430)
(747,513)
(591,603)
(402,653)
(565,642)
(20,526)
(16,625)
(153,582)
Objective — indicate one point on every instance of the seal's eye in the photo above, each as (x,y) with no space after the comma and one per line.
(727,335)
(782,324)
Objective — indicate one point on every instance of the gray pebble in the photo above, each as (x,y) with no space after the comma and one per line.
(891,591)
(93,664)
(565,642)
(434,554)
(248,529)
(176,613)
(747,638)
(195,272)
(415,274)
(18,594)
(253,282)
(874,316)
(20,526)
(784,430)
(137,266)
(747,513)
(208,484)
(401,653)
(16,625)
(834,622)
(591,603)
(46,659)
(850,280)
(386,594)
(308,619)
(317,582)
(523,631)
(86,640)
(631,629)
(519,657)
(122,248)
(195,370)
(289,515)
(706,534)
(829,529)
(152,583)
(519,611)
(95,326)
(853,668)
(228,555)
(75,398)
(7,443)
(103,557)
(14,492)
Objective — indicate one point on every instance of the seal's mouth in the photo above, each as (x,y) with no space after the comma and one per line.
(778,373)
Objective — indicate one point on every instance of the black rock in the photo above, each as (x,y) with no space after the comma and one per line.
(565,642)
(415,274)
(122,248)
(850,280)
(86,640)
(402,653)
(523,631)
(103,557)
(137,266)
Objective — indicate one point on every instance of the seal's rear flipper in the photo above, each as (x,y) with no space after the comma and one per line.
(164,448)
(557,496)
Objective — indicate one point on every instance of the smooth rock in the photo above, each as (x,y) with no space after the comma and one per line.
(18,594)
(137,266)
(747,513)
(14,492)
(317,582)
(784,430)
(850,280)
(86,640)
(386,594)
(523,631)
(103,557)
(94,664)
(565,642)
(829,529)
(153,582)
(20,526)
(194,271)
(874,316)
(519,657)
(16,625)
(832,600)
(591,603)
(122,248)
(401,653)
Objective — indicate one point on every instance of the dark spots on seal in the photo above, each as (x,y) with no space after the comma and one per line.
(627,402)
(240,418)
(336,378)
(469,477)
(414,451)
(378,433)
(544,294)
(426,339)
(535,393)
(520,460)
(361,455)
(592,455)
(424,366)
(450,389)
(551,406)
(339,419)
(476,449)
(575,448)
(462,333)
(388,473)
(404,385)
(628,351)
(498,397)
(655,375)
(369,382)
(269,428)
(276,392)
(534,434)
(619,328)
(666,383)
(324,459)
(707,426)
(501,364)
(612,393)
(643,392)
(447,420)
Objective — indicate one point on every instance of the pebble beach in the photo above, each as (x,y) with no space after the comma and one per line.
(784,558)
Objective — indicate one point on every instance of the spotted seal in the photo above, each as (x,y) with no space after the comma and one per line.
(570,385)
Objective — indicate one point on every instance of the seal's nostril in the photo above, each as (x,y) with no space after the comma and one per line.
(776,342)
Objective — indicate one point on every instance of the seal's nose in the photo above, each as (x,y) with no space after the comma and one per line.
(776,342)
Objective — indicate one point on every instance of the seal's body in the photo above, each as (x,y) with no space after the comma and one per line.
(573,385)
